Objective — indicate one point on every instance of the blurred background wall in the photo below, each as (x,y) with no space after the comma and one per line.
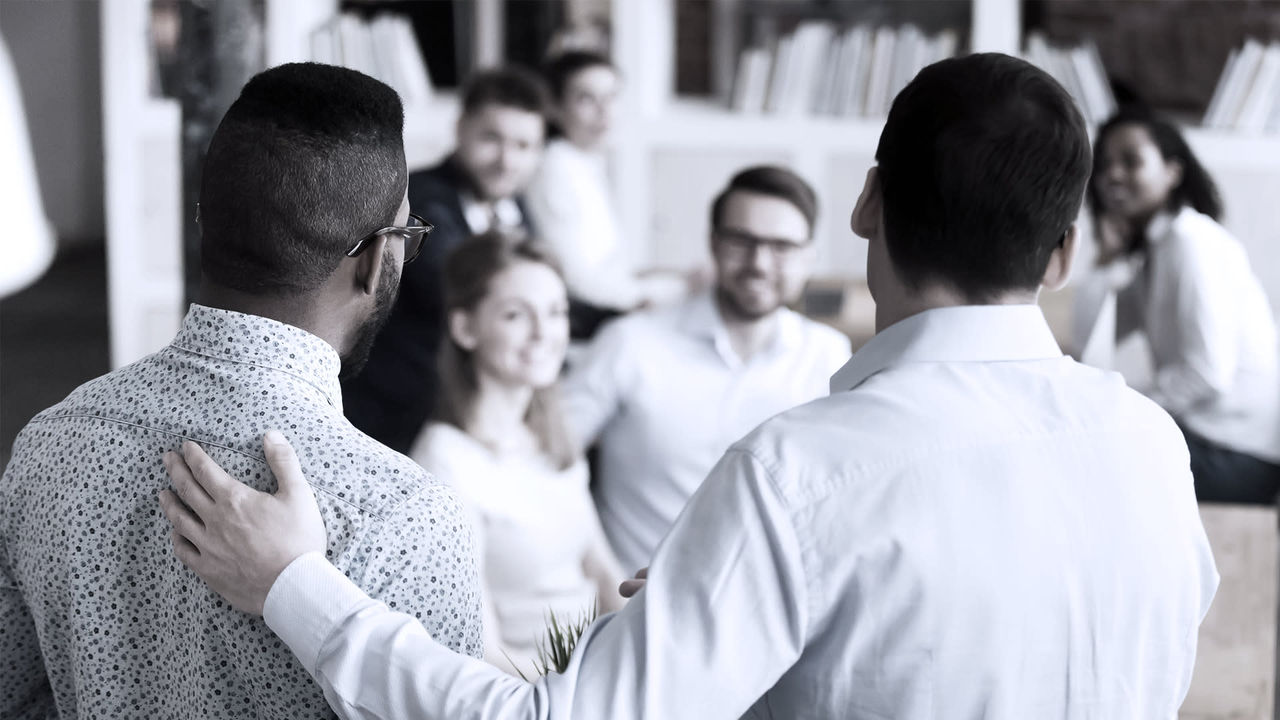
(55,47)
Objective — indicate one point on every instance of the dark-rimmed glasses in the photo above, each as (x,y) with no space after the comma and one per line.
(414,234)
(740,243)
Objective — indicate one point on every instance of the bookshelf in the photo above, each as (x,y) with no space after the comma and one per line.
(143,165)
(143,177)
(429,119)
(673,153)
(679,151)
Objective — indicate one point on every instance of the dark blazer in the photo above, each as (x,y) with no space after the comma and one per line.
(392,398)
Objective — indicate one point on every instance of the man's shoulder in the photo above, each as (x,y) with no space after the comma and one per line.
(821,335)
(360,472)
(442,173)
(640,329)
(919,413)
(439,185)
(103,394)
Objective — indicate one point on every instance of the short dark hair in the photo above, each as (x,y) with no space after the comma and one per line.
(307,160)
(1196,189)
(983,163)
(773,181)
(560,69)
(511,86)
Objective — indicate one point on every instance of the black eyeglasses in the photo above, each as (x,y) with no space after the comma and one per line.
(414,234)
(741,243)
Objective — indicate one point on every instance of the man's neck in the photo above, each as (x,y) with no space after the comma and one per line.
(299,311)
(748,336)
(497,416)
(931,297)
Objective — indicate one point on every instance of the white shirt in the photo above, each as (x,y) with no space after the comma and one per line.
(573,214)
(972,526)
(1210,328)
(533,526)
(665,394)
(502,214)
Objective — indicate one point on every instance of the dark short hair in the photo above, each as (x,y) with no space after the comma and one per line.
(309,159)
(560,69)
(983,163)
(773,181)
(1196,189)
(511,86)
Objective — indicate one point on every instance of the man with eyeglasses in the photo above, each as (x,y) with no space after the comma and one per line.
(663,394)
(305,226)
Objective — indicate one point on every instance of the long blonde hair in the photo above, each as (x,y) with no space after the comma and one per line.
(468,276)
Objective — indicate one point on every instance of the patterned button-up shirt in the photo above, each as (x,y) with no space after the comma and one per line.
(98,619)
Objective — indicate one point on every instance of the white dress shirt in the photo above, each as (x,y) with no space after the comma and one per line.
(533,526)
(1210,328)
(973,525)
(665,394)
(502,215)
(574,215)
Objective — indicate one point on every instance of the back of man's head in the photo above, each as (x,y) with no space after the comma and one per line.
(982,163)
(511,86)
(307,161)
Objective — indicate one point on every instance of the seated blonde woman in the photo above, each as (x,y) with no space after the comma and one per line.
(499,441)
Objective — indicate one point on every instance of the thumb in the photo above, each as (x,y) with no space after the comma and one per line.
(284,464)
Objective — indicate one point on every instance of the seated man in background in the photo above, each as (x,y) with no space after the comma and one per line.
(475,190)
(304,227)
(665,393)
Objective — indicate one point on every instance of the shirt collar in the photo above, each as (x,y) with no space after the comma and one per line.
(479,218)
(255,340)
(1162,223)
(972,333)
(703,320)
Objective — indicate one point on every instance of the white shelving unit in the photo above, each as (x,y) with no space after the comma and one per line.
(674,154)
(428,126)
(143,169)
(144,163)
(671,156)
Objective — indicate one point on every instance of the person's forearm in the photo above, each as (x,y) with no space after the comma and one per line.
(372,662)
(375,663)
(1178,388)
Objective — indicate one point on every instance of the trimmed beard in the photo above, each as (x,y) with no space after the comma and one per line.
(384,299)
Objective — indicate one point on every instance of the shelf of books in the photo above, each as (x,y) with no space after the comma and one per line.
(813,87)
(693,123)
(143,141)
(383,46)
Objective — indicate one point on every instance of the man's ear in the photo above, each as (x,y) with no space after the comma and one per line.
(461,331)
(368,269)
(868,213)
(1058,271)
